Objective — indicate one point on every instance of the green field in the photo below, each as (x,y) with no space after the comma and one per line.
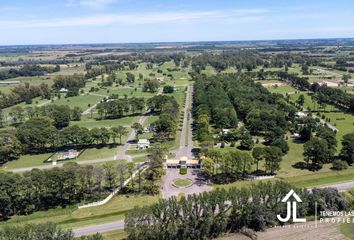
(72,217)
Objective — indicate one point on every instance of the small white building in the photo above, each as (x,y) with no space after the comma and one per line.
(225,131)
(300,114)
(63,90)
(143,144)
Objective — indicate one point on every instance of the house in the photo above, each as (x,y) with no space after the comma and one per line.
(63,90)
(300,114)
(226,131)
(143,144)
(184,162)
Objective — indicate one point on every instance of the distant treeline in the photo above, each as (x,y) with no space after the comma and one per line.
(323,93)
(245,59)
(28,71)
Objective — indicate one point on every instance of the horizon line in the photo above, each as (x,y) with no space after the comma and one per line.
(175,42)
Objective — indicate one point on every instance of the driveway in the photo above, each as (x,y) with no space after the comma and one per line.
(199,184)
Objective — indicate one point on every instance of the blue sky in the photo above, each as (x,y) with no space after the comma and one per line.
(117,21)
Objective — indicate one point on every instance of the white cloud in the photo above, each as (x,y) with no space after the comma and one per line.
(90,3)
(137,18)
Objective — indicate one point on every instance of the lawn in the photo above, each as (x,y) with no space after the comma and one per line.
(38,160)
(72,217)
(114,235)
(27,161)
(347,229)
(182,182)
(282,90)
(92,123)
(81,101)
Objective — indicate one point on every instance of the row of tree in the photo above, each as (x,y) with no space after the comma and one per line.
(22,194)
(41,232)
(323,93)
(117,108)
(39,135)
(28,70)
(60,114)
(24,93)
(208,215)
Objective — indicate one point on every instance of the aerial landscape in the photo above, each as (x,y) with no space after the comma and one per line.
(152,120)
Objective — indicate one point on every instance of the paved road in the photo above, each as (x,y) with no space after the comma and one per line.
(341,186)
(186,141)
(118,225)
(61,164)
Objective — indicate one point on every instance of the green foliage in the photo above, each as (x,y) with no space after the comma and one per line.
(317,152)
(209,215)
(183,171)
(37,231)
(339,165)
(347,152)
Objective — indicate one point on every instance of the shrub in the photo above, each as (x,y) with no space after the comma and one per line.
(233,144)
(183,171)
(339,165)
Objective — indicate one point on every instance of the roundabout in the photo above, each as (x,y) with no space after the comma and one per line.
(182,182)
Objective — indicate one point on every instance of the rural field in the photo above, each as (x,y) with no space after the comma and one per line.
(95,139)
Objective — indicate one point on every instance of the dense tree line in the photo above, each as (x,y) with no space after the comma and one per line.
(24,93)
(60,114)
(22,194)
(117,108)
(28,71)
(243,59)
(41,232)
(167,108)
(39,135)
(208,215)
(222,99)
(323,93)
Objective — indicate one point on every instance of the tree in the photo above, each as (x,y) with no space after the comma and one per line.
(168,89)
(301,100)
(119,131)
(76,114)
(273,157)
(317,152)
(150,85)
(130,77)
(164,127)
(2,119)
(10,147)
(246,141)
(281,144)
(110,175)
(138,128)
(257,154)
(346,78)
(347,151)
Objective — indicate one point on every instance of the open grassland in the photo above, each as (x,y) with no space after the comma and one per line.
(72,217)
(92,123)
(81,101)
(26,161)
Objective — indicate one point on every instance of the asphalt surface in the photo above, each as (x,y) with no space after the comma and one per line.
(118,225)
